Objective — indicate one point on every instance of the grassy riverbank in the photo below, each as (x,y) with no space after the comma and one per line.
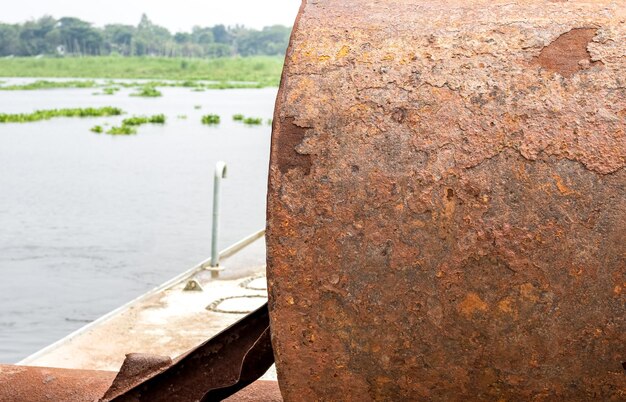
(264,70)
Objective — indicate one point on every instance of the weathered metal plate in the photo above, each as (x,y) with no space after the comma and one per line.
(45,384)
(216,370)
(447,202)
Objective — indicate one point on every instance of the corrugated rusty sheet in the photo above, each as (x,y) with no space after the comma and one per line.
(447,202)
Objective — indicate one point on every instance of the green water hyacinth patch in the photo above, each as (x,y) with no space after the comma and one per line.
(97,129)
(238,117)
(140,120)
(110,90)
(210,119)
(253,121)
(148,92)
(39,115)
(122,130)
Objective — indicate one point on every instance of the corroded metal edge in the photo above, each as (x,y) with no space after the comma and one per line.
(215,370)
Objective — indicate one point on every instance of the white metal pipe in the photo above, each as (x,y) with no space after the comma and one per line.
(220,173)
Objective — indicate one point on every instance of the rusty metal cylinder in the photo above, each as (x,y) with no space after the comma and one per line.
(447,202)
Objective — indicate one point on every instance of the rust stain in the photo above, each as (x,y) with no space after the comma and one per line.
(343,52)
(560,185)
(472,304)
(530,292)
(568,54)
(506,306)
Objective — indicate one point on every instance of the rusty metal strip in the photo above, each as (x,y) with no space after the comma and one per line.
(260,391)
(255,363)
(45,384)
(215,370)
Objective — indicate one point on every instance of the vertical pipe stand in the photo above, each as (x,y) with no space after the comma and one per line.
(220,173)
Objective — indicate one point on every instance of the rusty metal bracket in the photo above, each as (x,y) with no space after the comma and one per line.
(215,370)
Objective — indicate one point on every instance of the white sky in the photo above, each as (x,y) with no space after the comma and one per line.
(176,15)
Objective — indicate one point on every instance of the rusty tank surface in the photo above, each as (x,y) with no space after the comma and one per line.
(447,202)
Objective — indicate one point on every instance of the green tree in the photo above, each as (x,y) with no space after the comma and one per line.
(79,37)
(9,39)
(151,39)
(32,36)
(220,34)
(119,38)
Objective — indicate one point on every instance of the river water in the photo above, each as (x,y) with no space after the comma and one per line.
(90,221)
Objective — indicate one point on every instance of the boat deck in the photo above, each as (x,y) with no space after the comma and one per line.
(169,320)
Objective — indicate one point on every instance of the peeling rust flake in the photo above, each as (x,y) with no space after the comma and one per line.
(568,54)
(287,155)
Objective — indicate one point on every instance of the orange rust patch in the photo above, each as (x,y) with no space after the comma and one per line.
(563,189)
(505,306)
(343,52)
(530,292)
(449,203)
(471,304)
(568,54)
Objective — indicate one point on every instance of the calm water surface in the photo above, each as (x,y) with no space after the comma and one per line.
(88,221)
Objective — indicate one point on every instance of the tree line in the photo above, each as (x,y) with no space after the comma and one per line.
(75,37)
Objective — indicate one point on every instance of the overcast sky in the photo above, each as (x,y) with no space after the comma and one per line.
(176,15)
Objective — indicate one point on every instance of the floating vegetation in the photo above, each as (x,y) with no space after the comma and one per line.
(122,130)
(157,119)
(140,120)
(97,129)
(44,84)
(129,125)
(253,121)
(190,84)
(148,92)
(269,122)
(210,119)
(49,114)
(110,90)
(197,107)
(182,117)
